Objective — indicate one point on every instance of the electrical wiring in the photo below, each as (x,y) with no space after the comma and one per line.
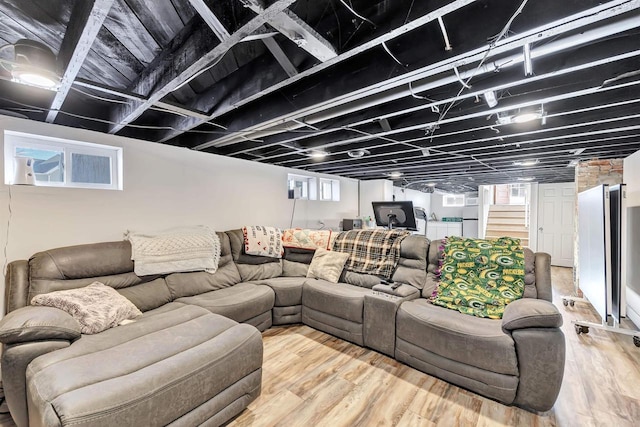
(356,13)
(384,45)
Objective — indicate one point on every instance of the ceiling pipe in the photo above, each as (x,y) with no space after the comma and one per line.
(445,36)
(576,21)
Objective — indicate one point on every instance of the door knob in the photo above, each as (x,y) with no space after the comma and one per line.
(539,228)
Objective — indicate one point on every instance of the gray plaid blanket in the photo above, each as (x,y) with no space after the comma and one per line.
(374,252)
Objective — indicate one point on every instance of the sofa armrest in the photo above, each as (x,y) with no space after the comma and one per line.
(38,324)
(15,359)
(530,313)
(542,271)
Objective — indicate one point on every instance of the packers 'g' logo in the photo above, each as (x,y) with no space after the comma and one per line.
(504,261)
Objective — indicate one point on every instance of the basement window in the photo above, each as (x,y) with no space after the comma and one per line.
(453,200)
(330,189)
(58,162)
(302,187)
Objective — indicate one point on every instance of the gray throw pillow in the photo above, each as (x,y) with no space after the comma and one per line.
(96,307)
(327,265)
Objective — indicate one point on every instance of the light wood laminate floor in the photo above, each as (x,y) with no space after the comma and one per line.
(314,379)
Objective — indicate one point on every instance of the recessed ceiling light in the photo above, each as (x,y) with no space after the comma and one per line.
(356,154)
(394,174)
(526,178)
(530,162)
(317,154)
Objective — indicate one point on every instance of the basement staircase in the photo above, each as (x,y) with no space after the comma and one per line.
(508,221)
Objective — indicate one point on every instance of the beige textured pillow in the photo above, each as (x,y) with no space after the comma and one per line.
(327,265)
(96,307)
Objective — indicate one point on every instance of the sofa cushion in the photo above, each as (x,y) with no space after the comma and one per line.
(96,307)
(288,290)
(412,265)
(241,302)
(252,267)
(337,299)
(471,340)
(327,265)
(149,295)
(151,372)
(295,262)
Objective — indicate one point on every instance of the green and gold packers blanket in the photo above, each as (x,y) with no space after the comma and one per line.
(480,277)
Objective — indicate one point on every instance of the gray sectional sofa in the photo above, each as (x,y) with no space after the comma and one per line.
(195,355)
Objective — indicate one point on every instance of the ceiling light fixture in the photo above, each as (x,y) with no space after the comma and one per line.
(573,163)
(431,184)
(526,117)
(426,152)
(526,178)
(317,154)
(34,65)
(394,174)
(356,154)
(490,98)
(528,64)
(530,162)
(577,151)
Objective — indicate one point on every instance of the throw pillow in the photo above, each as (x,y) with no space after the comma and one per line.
(96,307)
(327,265)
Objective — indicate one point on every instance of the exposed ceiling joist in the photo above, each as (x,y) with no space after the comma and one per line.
(86,20)
(176,66)
(373,92)
(280,56)
(403,29)
(169,106)
(467,95)
(298,31)
(211,19)
(216,26)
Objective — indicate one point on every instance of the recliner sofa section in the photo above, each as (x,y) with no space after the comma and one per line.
(196,324)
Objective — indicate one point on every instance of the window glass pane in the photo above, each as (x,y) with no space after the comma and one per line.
(326,190)
(48,165)
(86,168)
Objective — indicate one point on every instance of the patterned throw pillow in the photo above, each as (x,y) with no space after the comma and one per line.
(327,265)
(96,307)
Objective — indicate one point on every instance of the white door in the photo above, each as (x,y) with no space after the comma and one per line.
(556,210)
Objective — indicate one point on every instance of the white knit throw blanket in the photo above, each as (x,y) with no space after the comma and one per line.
(175,250)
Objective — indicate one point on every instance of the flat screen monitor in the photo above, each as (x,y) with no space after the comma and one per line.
(395,214)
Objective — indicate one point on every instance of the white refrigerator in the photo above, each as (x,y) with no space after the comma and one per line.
(470,221)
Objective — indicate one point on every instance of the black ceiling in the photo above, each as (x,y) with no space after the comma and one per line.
(278,81)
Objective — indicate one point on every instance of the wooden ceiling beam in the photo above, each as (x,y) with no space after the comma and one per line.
(211,19)
(216,26)
(264,90)
(186,56)
(86,20)
(298,31)
(280,56)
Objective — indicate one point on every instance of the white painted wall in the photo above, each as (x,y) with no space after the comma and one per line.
(164,187)
(376,190)
(440,210)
